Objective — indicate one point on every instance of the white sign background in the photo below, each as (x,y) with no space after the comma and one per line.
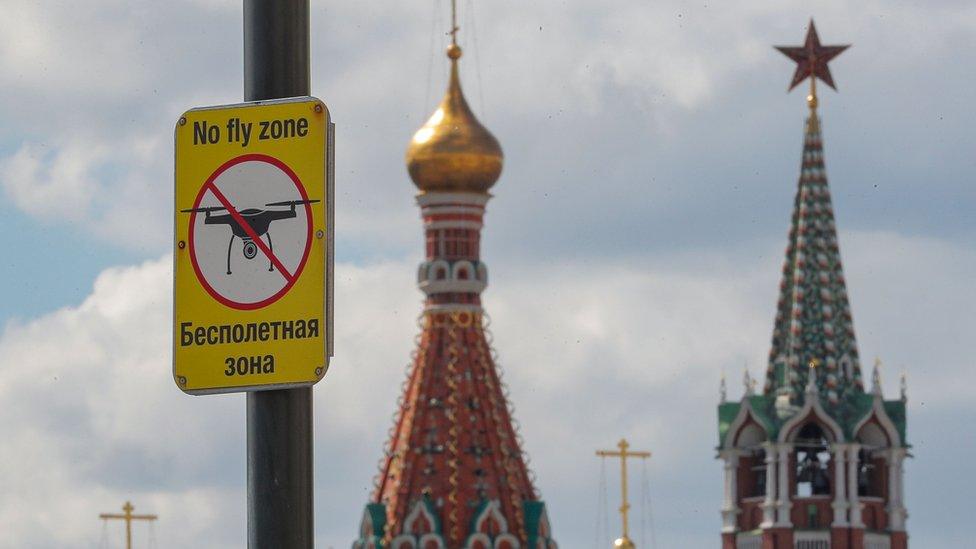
(250,185)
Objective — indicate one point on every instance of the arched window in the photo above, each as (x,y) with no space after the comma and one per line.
(870,463)
(757,470)
(812,462)
(870,471)
(750,440)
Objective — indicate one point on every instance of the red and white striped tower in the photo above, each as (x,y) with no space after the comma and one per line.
(453,475)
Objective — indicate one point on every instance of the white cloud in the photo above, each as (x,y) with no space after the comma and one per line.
(576,91)
(50,185)
(104,187)
(592,351)
(625,127)
(93,421)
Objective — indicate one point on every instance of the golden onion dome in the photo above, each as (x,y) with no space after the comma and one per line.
(453,152)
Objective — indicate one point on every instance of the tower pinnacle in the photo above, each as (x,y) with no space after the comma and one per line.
(453,151)
(811,62)
(876,378)
(811,59)
(815,460)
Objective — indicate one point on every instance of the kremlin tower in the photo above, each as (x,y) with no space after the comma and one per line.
(453,474)
(814,461)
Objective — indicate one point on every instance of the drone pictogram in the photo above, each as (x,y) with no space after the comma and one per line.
(258,220)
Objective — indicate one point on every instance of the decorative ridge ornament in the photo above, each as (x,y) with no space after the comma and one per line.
(876,378)
(812,389)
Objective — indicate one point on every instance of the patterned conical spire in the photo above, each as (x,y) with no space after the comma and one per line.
(453,450)
(813,316)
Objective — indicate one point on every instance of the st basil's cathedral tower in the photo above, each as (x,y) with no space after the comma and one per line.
(453,475)
(813,461)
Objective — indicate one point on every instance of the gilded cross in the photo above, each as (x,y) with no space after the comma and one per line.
(623,453)
(128,517)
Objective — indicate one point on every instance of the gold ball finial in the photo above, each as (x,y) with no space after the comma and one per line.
(454,52)
(812,101)
(623,543)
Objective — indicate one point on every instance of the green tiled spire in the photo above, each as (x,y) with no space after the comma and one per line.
(813,315)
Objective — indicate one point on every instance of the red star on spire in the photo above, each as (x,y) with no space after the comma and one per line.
(812,58)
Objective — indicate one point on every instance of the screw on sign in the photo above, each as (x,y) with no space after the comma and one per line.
(244,202)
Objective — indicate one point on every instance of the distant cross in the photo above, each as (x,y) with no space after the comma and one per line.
(454,25)
(623,454)
(128,517)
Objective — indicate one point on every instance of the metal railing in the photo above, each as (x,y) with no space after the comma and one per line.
(811,540)
(876,541)
(748,541)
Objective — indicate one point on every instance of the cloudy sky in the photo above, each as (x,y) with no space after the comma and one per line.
(634,244)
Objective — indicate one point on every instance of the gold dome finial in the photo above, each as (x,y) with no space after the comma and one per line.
(453,151)
(623,543)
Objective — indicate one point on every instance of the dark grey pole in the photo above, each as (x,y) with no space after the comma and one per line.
(276,58)
(279,423)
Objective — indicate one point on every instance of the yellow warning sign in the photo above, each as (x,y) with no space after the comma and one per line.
(253,246)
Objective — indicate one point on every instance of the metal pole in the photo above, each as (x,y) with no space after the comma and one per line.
(128,525)
(624,505)
(279,423)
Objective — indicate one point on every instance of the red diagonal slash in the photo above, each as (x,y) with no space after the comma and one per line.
(250,232)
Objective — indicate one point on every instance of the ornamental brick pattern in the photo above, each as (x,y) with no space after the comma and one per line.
(453,474)
(453,441)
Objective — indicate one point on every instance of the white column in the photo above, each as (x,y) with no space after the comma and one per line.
(852,450)
(840,503)
(730,508)
(769,504)
(785,490)
(896,497)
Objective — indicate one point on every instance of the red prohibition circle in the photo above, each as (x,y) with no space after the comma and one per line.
(308,237)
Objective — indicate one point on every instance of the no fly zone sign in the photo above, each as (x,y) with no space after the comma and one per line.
(253,246)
